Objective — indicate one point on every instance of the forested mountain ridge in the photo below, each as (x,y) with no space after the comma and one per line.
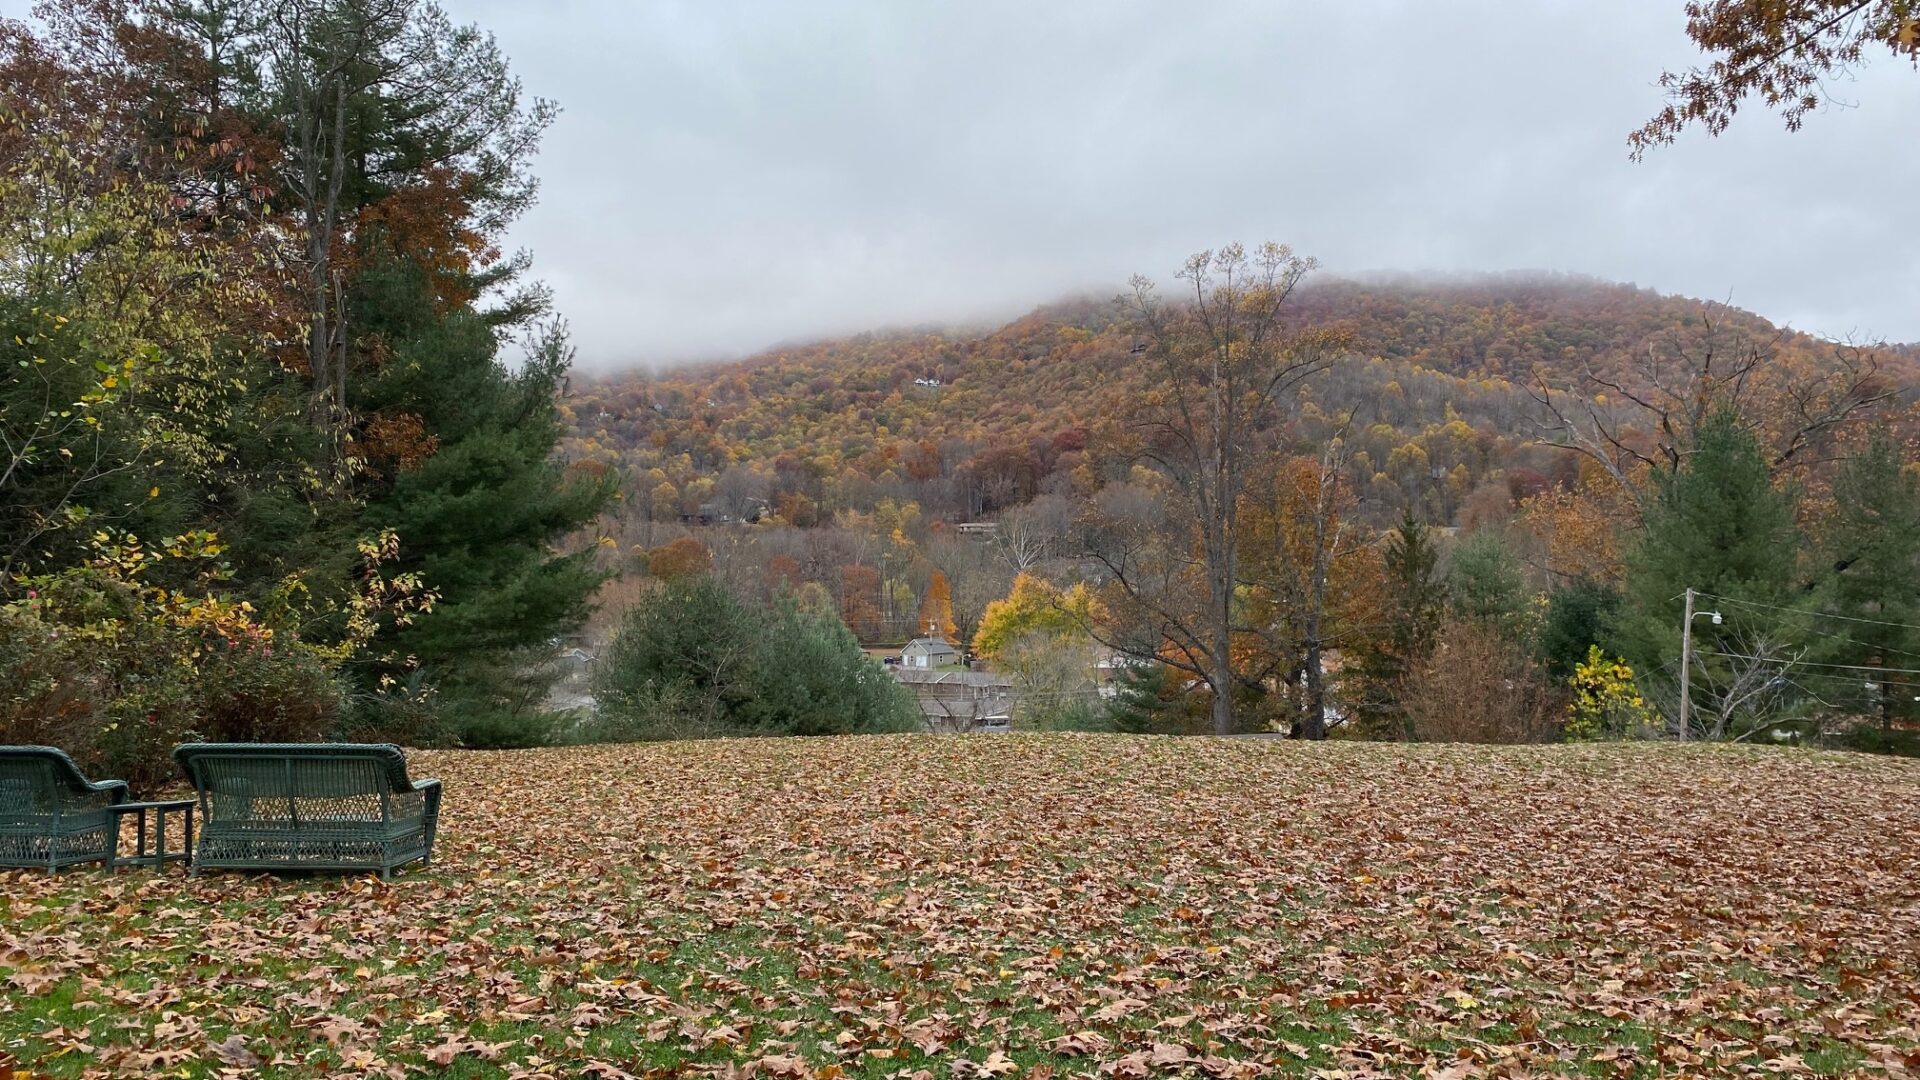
(1442,387)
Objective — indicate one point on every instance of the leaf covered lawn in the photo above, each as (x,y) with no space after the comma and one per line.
(1027,906)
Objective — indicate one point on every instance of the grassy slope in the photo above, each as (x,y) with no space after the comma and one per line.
(883,906)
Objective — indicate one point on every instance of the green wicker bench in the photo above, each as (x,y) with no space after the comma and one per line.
(52,816)
(309,806)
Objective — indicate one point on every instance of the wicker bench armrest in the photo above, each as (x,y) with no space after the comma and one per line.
(104,794)
(421,799)
(429,790)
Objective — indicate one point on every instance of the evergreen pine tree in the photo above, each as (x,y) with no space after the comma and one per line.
(1139,704)
(1871,550)
(1579,614)
(1417,600)
(479,510)
(1719,526)
(1485,584)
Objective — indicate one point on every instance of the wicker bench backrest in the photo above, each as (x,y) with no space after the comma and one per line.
(295,786)
(37,780)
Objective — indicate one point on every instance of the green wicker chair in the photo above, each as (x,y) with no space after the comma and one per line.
(52,816)
(315,806)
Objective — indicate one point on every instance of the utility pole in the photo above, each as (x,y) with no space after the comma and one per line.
(1686,667)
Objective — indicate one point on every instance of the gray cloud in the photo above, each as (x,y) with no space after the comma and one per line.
(728,174)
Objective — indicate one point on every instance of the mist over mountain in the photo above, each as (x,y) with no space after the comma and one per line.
(1439,388)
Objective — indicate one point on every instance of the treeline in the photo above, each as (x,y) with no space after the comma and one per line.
(1443,407)
(1779,491)
(270,463)
(1225,557)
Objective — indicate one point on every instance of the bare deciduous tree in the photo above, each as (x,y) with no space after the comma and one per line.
(1031,533)
(1477,686)
(1226,364)
(1746,685)
(1648,417)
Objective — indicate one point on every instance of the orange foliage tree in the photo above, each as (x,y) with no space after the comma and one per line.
(860,600)
(1314,583)
(936,610)
(1580,531)
(1785,52)
(683,558)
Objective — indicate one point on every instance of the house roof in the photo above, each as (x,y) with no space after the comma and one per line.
(931,645)
(919,677)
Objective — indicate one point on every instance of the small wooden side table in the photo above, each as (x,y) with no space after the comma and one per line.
(159,857)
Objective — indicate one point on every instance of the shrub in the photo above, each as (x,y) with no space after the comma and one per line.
(810,677)
(655,712)
(1478,686)
(505,729)
(265,695)
(1873,739)
(117,674)
(405,711)
(1606,701)
(1087,712)
(693,659)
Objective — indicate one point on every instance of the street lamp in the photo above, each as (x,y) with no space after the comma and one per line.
(1686,663)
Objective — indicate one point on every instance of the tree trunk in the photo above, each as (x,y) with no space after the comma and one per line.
(1312,723)
(1220,575)
(1313,705)
(1886,700)
(1223,696)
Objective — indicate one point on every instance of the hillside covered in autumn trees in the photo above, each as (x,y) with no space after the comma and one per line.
(1442,402)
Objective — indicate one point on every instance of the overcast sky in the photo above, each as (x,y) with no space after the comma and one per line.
(727,174)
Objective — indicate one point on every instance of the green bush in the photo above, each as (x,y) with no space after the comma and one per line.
(656,712)
(1083,713)
(506,729)
(1873,739)
(694,660)
(265,695)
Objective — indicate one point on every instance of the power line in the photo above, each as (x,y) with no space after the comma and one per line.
(1806,611)
(1865,644)
(1851,680)
(1838,636)
(1808,663)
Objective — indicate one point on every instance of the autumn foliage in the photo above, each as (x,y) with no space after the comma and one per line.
(936,610)
(683,558)
(969,425)
(1058,905)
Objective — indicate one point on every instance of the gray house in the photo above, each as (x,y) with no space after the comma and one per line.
(929,654)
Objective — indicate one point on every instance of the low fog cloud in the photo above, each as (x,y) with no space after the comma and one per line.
(730,175)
